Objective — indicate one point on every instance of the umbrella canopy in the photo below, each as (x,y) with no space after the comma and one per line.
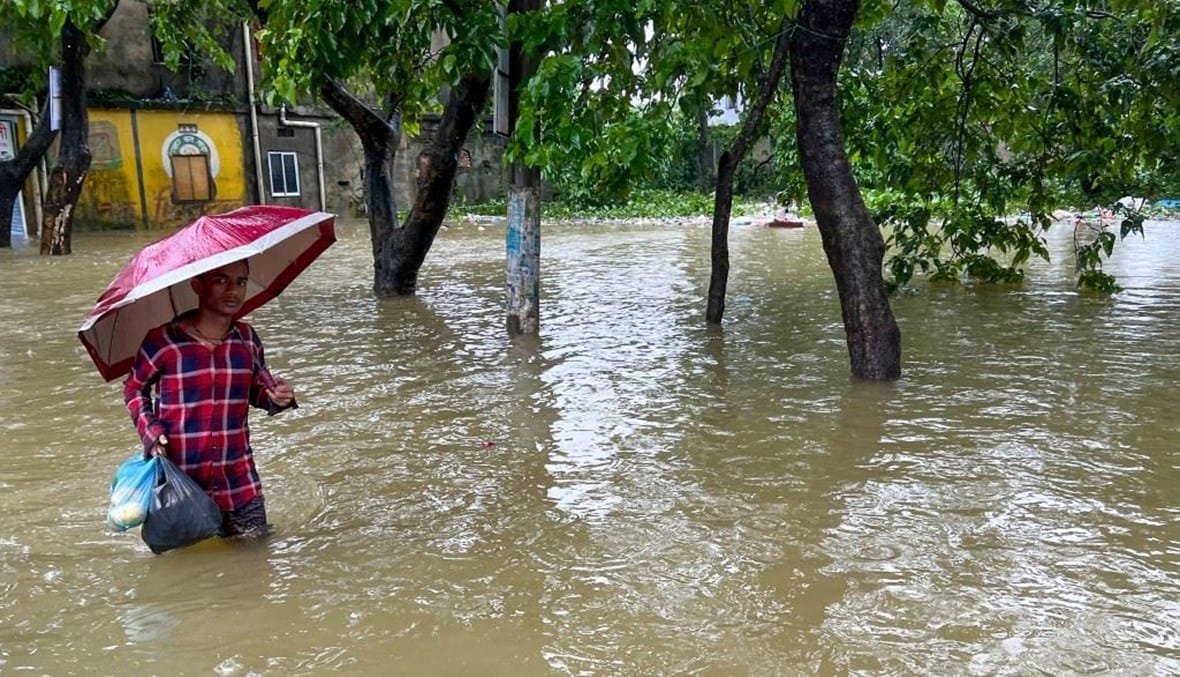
(153,288)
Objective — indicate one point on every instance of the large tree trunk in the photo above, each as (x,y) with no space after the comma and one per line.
(523,252)
(379,135)
(726,167)
(73,157)
(852,242)
(14,172)
(401,256)
(523,231)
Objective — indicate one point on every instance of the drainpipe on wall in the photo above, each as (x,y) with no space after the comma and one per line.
(319,151)
(38,172)
(248,54)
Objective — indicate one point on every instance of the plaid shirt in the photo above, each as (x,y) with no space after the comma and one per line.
(202,398)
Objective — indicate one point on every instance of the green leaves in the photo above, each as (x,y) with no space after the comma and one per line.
(196,30)
(404,50)
(971,117)
(35,26)
(189,30)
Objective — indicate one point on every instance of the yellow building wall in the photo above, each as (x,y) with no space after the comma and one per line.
(113,195)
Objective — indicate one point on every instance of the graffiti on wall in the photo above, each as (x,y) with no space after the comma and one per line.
(123,190)
(167,212)
(105,152)
(106,194)
(7,140)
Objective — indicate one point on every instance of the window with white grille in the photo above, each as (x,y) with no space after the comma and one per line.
(284,174)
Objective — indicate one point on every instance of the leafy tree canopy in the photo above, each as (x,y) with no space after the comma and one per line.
(403,49)
(35,28)
(958,115)
(619,81)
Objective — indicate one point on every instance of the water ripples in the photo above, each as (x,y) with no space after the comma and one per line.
(630,492)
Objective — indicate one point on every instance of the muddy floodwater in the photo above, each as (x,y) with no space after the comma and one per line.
(630,493)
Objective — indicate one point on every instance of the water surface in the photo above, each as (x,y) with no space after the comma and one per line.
(629,492)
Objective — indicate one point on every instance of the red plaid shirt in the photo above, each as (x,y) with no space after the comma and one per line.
(203,396)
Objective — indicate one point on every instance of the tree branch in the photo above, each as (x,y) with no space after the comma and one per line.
(977,11)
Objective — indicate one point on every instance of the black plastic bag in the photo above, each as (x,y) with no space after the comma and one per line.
(181,513)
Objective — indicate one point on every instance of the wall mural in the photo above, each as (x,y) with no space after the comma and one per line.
(106,194)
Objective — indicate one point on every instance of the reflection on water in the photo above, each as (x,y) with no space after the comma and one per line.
(630,492)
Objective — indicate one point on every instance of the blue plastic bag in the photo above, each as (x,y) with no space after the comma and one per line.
(131,492)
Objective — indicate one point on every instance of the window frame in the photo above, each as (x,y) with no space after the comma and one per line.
(283,157)
(190,194)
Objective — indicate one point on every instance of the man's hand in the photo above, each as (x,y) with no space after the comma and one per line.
(159,448)
(283,393)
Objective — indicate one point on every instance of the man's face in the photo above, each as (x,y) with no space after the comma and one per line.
(222,290)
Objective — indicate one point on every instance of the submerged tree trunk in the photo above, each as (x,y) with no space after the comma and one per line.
(379,135)
(402,254)
(523,232)
(399,250)
(726,167)
(852,242)
(14,172)
(523,251)
(73,157)
(7,205)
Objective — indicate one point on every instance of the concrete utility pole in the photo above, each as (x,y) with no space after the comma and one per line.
(524,204)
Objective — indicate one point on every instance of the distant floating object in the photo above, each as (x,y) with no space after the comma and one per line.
(1132,203)
(785,221)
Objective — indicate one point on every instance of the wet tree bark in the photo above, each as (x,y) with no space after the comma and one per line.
(399,250)
(752,126)
(73,158)
(7,203)
(14,172)
(402,253)
(380,134)
(523,231)
(852,242)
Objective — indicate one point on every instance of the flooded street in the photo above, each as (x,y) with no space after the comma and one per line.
(630,493)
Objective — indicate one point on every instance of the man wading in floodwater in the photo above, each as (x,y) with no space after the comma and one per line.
(207,370)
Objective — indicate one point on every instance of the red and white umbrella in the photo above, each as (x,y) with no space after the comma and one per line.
(153,288)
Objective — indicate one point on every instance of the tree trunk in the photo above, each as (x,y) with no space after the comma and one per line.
(719,252)
(7,205)
(401,256)
(14,172)
(852,242)
(73,157)
(379,136)
(523,252)
(726,167)
(705,178)
(523,231)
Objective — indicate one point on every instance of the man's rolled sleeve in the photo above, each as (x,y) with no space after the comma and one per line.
(137,394)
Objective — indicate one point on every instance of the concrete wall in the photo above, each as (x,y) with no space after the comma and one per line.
(480,177)
(126,61)
(130,183)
